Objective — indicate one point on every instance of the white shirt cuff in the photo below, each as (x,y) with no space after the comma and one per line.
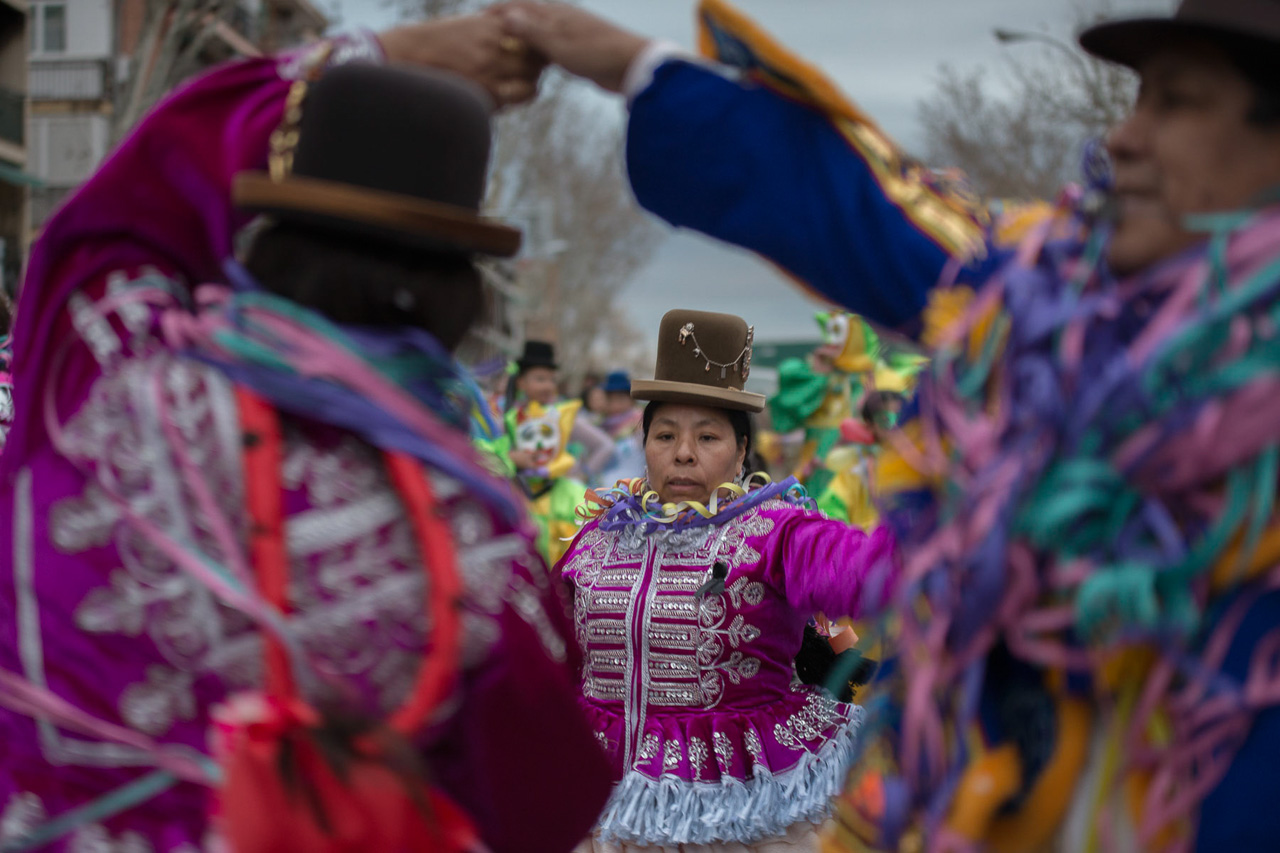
(640,73)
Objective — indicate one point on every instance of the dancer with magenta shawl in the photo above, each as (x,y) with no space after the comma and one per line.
(248,547)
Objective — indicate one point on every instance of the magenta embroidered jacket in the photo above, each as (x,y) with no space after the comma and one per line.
(694,696)
(93,609)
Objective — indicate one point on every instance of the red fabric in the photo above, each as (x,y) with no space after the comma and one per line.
(856,432)
(371,809)
(280,791)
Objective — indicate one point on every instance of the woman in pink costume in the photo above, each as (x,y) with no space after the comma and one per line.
(692,593)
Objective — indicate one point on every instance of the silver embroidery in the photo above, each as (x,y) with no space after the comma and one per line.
(754,747)
(606,691)
(357,587)
(151,706)
(743,591)
(95,839)
(649,747)
(739,667)
(783,735)
(355,46)
(599,661)
(724,750)
(23,813)
(94,329)
(818,714)
(692,647)
(633,539)
(6,411)
(740,632)
(670,755)
(698,755)
(605,742)
(609,601)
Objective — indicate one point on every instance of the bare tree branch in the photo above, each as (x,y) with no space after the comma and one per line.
(173,38)
(557,170)
(1028,142)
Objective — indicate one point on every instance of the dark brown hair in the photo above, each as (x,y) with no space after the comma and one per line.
(743,427)
(365,282)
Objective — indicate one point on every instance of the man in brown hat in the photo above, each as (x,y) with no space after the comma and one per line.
(258,593)
(1124,334)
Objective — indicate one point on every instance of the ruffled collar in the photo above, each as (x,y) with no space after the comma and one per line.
(636,508)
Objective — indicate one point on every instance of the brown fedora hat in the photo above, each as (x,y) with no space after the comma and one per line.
(399,154)
(704,359)
(1248,25)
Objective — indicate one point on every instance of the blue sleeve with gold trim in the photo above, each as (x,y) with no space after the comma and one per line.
(778,161)
(745,165)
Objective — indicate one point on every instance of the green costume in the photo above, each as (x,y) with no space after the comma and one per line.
(553,495)
(821,401)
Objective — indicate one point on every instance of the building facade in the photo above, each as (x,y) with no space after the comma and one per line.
(95,65)
(14,177)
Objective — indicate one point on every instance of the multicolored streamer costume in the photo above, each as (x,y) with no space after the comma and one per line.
(1091,623)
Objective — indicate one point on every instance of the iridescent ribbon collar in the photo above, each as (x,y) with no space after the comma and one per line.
(634,504)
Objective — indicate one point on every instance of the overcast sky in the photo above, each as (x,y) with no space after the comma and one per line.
(886,54)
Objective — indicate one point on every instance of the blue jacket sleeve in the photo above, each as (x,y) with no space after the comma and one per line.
(747,165)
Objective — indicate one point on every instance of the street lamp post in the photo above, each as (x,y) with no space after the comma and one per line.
(1095,81)
(1021,36)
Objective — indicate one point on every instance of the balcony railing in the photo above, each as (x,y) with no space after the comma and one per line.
(12,116)
(67,79)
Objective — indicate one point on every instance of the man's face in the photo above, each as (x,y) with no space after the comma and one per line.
(1185,149)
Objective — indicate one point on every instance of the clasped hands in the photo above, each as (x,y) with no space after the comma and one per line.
(506,47)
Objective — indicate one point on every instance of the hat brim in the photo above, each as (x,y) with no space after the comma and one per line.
(693,394)
(393,216)
(529,365)
(1131,42)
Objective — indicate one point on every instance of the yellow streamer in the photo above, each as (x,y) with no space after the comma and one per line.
(596,504)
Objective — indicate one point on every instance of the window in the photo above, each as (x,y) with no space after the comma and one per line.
(65,149)
(54,37)
(48,28)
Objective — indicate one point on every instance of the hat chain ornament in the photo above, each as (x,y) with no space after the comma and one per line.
(742,363)
(284,139)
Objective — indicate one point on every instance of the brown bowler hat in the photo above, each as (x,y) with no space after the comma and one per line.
(1251,26)
(703,360)
(399,154)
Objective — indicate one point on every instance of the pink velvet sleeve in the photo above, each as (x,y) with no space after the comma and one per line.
(163,198)
(824,565)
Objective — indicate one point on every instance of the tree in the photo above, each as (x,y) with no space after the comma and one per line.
(557,171)
(558,168)
(1028,143)
(171,44)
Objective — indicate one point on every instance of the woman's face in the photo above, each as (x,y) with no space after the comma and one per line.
(538,384)
(690,451)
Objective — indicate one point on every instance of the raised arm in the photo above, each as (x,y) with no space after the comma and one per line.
(163,198)
(824,565)
(765,153)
